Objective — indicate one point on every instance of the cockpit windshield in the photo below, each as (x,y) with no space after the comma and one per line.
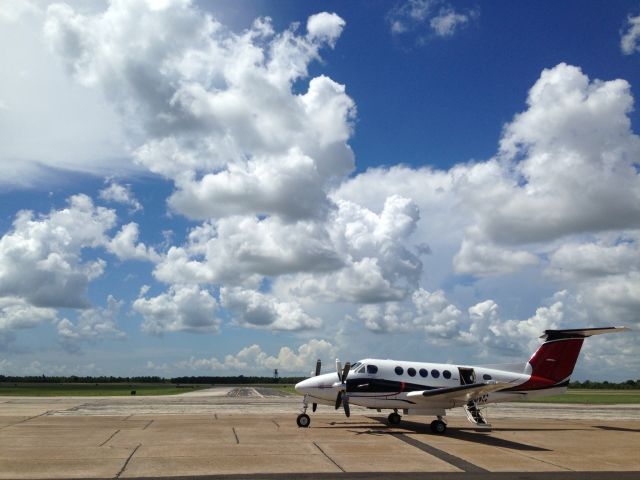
(355,365)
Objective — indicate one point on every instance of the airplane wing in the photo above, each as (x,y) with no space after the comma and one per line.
(459,395)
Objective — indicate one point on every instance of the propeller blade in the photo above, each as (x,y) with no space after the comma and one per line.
(345,404)
(339,369)
(345,372)
(318,367)
(314,406)
(339,399)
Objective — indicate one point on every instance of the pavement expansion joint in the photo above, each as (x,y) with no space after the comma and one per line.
(567,469)
(111,437)
(27,419)
(329,458)
(124,467)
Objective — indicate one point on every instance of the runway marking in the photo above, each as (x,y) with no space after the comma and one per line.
(235,435)
(127,461)
(457,462)
(330,459)
(149,423)
(257,393)
(112,435)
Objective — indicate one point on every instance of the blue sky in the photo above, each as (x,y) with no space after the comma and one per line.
(231,187)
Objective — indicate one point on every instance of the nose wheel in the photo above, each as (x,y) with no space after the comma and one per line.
(303,420)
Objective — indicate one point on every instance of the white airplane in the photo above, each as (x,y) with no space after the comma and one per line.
(433,388)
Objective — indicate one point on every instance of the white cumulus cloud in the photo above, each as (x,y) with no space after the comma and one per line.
(92,325)
(181,308)
(118,193)
(259,310)
(253,359)
(41,257)
(124,246)
(222,120)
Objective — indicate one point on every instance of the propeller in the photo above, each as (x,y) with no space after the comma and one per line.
(341,385)
(314,406)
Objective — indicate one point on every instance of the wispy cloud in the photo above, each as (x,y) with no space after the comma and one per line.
(630,39)
(424,19)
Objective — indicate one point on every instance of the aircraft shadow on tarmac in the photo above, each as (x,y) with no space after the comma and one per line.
(617,429)
(465,434)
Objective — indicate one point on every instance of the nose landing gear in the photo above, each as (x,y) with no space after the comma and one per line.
(303,419)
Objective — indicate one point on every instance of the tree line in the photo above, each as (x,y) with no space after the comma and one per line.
(243,380)
(208,380)
(627,385)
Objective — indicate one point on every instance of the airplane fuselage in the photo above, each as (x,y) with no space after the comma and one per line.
(386,384)
(433,388)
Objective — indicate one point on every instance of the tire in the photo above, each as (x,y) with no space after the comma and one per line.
(303,420)
(394,418)
(438,426)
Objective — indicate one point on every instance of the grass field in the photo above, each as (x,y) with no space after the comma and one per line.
(92,389)
(591,397)
(284,388)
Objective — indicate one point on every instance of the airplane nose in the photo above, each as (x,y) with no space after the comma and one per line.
(304,386)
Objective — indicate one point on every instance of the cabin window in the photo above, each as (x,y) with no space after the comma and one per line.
(446,374)
(411,372)
(372,369)
(423,373)
(435,373)
(399,370)
(486,376)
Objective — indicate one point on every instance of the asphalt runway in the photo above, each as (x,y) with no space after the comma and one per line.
(249,432)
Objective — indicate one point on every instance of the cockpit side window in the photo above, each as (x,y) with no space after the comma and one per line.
(360,370)
(372,369)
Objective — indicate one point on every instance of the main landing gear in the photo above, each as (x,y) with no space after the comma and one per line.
(394,418)
(438,426)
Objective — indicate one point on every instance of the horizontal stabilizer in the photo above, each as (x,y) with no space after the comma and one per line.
(462,393)
(580,332)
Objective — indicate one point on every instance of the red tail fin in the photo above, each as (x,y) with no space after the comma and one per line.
(552,364)
(555,359)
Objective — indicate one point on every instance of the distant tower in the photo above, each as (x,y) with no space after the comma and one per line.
(275,373)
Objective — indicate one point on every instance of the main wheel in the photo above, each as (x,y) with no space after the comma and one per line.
(394,418)
(438,426)
(303,420)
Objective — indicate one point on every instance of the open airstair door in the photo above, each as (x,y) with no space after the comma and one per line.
(474,415)
(467,376)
